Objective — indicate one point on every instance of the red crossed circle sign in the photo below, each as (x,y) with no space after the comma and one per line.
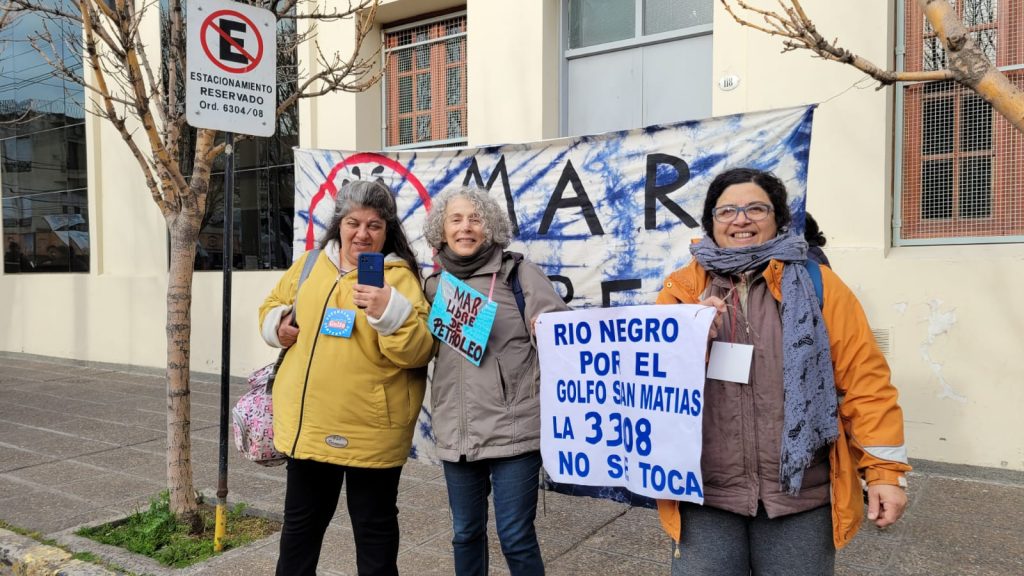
(210,25)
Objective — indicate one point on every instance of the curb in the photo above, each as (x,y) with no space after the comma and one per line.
(23,556)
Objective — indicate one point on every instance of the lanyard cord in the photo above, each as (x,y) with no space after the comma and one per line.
(490,292)
(735,307)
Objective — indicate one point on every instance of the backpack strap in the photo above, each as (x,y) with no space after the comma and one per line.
(516,285)
(517,290)
(306,268)
(814,270)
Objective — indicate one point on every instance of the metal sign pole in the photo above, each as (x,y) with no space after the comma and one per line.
(231,53)
(225,341)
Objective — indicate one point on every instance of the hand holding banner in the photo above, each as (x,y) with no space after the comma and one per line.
(622,396)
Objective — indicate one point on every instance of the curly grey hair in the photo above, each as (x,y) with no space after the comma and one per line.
(497,228)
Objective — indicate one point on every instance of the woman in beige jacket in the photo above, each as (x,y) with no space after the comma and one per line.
(486,418)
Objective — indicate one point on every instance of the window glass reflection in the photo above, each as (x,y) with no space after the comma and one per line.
(46,233)
(264,202)
(43,167)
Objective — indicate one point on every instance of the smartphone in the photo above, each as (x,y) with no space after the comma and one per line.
(371,269)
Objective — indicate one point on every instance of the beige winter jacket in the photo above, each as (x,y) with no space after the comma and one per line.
(493,411)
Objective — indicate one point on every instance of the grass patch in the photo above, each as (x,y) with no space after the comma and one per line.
(87,557)
(158,534)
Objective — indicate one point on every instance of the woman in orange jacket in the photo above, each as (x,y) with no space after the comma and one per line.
(785,452)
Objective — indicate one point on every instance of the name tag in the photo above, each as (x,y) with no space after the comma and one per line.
(338,322)
(730,362)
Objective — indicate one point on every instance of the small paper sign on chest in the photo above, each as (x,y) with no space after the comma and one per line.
(461,317)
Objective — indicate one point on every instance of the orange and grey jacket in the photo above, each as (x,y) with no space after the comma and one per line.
(870,444)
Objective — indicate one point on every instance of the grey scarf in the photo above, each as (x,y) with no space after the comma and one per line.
(463,267)
(810,420)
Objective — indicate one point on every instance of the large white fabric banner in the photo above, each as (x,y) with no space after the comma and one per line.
(607,216)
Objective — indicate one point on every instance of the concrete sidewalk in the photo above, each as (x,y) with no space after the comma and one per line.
(83,443)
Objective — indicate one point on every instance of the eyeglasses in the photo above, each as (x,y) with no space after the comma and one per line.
(754,212)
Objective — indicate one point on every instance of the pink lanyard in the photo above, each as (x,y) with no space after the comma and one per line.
(490,292)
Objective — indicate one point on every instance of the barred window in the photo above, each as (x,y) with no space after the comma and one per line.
(425,83)
(963,163)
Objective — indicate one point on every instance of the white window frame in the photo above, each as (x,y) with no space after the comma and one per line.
(638,39)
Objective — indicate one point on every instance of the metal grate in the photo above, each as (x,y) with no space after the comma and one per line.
(963,163)
(425,83)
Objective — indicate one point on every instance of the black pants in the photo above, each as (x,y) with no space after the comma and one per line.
(309,504)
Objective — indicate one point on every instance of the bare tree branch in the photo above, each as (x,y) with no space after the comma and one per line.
(287,11)
(968,64)
(799,32)
(175,121)
(111,113)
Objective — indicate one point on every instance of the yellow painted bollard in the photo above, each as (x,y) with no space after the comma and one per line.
(219,528)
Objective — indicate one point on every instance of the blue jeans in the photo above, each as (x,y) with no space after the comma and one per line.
(515,482)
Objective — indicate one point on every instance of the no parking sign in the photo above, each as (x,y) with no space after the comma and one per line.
(232,67)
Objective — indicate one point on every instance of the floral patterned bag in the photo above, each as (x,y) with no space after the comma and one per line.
(252,418)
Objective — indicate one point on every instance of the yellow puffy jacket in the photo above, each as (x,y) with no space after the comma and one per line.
(870,443)
(349,401)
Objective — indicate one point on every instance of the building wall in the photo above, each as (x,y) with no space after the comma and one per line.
(953,328)
(954,331)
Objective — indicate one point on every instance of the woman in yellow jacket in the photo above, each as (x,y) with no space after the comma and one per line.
(783,453)
(349,391)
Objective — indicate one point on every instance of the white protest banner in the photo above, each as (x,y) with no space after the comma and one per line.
(622,397)
(607,217)
(461,317)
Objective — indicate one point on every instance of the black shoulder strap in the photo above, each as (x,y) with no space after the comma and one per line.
(517,289)
(514,283)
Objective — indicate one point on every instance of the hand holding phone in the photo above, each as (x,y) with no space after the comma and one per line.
(371,269)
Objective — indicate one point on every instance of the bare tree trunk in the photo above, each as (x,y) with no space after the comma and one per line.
(969,65)
(184,231)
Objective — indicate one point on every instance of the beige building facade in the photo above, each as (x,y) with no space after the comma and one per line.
(945,310)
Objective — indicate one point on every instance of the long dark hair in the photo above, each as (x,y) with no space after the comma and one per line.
(377,197)
(768,182)
(812,234)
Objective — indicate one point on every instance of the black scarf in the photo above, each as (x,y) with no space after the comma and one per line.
(463,267)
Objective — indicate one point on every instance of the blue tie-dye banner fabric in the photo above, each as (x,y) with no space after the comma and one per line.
(607,216)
